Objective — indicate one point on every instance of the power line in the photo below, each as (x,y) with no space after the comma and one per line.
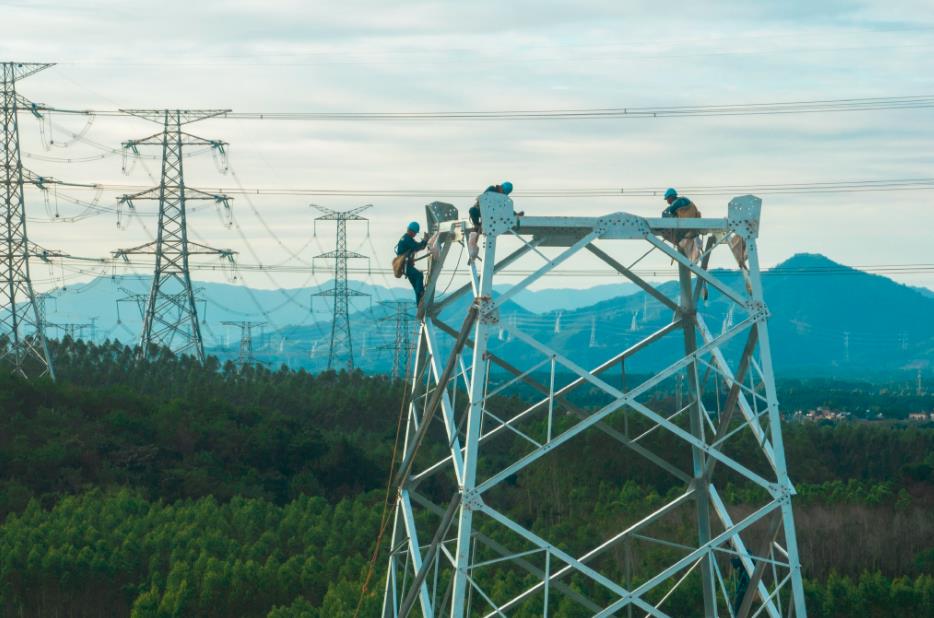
(792,188)
(634,112)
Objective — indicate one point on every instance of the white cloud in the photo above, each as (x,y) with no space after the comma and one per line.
(366,56)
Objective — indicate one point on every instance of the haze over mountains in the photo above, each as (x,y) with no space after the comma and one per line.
(843,322)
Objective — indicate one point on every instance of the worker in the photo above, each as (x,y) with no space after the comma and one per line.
(406,249)
(676,204)
(473,238)
(505,189)
(688,242)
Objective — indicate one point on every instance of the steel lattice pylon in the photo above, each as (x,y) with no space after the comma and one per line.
(246,340)
(171,317)
(341,344)
(20,323)
(453,545)
(403,320)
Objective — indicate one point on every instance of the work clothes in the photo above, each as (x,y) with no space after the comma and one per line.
(678,204)
(474,211)
(408,246)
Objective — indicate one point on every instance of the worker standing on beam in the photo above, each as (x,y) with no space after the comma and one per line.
(404,264)
(473,248)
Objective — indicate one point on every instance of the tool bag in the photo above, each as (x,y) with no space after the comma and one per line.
(398,265)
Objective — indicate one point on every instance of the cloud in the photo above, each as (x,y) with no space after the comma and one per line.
(374,56)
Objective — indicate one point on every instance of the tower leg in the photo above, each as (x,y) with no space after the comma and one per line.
(698,459)
(478,376)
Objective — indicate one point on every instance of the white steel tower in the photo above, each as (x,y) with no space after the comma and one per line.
(457,546)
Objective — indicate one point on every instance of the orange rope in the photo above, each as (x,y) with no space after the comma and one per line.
(384,518)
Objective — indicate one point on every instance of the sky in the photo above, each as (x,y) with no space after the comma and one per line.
(373,56)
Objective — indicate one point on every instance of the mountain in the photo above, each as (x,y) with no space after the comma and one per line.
(553,299)
(115,304)
(825,318)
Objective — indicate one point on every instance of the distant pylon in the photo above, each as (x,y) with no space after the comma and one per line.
(171,318)
(402,345)
(71,329)
(20,323)
(246,340)
(341,348)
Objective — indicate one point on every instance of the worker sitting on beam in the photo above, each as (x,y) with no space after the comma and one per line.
(473,248)
(683,208)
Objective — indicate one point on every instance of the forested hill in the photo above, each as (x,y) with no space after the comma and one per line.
(165,488)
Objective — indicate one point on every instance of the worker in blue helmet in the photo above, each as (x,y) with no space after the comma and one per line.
(676,203)
(474,212)
(404,264)
(505,188)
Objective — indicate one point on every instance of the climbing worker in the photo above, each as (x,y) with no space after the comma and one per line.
(475,219)
(404,263)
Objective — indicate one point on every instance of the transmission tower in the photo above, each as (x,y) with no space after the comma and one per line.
(454,539)
(171,317)
(341,348)
(401,347)
(246,340)
(75,330)
(20,323)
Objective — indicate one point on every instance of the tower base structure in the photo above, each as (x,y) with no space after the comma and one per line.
(500,401)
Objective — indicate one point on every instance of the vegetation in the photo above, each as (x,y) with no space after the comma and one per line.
(169,489)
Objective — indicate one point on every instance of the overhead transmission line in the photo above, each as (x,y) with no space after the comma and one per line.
(678,111)
(879,269)
(793,188)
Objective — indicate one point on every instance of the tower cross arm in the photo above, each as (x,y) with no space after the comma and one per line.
(341,254)
(198,194)
(148,248)
(22,70)
(41,182)
(333,215)
(33,107)
(154,193)
(199,249)
(334,292)
(185,116)
(44,254)
(186,139)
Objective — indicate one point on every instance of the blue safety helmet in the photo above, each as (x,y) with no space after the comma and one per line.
(670,193)
(507,187)
(414,227)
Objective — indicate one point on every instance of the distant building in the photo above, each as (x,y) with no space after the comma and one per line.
(921,417)
(822,414)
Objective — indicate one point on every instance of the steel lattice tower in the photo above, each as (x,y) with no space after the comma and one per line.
(246,340)
(341,344)
(403,320)
(171,318)
(20,323)
(454,540)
